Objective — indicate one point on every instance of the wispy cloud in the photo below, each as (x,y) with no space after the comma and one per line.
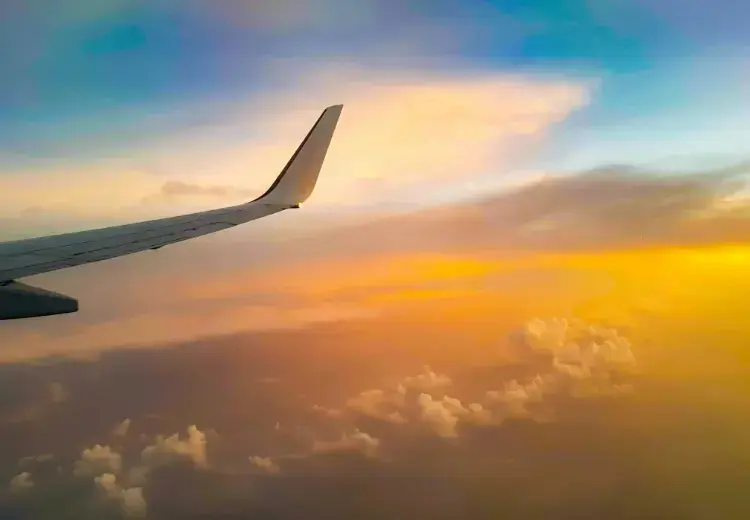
(399,129)
(174,190)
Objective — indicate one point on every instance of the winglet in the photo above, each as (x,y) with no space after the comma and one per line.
(297,180)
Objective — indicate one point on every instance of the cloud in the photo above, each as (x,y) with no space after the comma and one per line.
(441,415)
(515,396)
(611,208)
(571,358)
(131,500)
(379,404)
(585,358)
(427,380)
(21,483)
(402,126)
(121,429)
(131,326)
(169,449)
(266,464)
(174,189)
(97,461)
(108,483)
(608,209)
(593,459)
(356,441)
(617,207)
(388,405)
(31,461)
(412,126)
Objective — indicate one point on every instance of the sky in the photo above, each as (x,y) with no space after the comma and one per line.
(105,103)
(518,291)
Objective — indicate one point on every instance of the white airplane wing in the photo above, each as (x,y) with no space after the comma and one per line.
(33,256)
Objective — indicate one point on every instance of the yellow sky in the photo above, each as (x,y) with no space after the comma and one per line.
(667,293)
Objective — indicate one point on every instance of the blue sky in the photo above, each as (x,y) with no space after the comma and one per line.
(88,80)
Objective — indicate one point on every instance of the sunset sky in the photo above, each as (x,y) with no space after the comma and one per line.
(498,166)
(114,111)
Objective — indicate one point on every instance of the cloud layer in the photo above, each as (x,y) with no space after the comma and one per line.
(563,424)
(566,356)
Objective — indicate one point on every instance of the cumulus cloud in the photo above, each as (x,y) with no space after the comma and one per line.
(586,358)
(427,380)
(573,358)
(388,404)
(131,500)
(266,464)
(515,396)
(356,441)
(379,404)
(441,415)
(107,482)
(121,429)
(21,483)
(96,461)
(169,449)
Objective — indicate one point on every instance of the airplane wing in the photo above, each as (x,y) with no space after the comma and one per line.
(33,256)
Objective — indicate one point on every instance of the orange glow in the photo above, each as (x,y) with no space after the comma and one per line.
(667,298)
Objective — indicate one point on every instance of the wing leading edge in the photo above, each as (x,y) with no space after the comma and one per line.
(292,187)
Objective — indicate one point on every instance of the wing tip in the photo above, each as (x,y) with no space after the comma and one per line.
(293,191)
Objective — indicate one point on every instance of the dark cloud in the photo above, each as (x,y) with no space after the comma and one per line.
(607,208)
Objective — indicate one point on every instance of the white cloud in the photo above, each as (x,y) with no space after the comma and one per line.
(21,482)
(132,502)
(441,415)
(400,128)
(165,450)
(356,441)
(96,461)
(412,126)
(33,460)
(512,401)
(331,413)
(121,429)
(266,464)
(585,357)
(379,404)
(427,380)
(108,483)
(583,360)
